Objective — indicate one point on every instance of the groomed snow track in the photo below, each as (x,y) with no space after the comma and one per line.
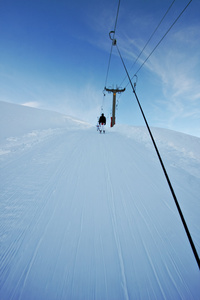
(90,216)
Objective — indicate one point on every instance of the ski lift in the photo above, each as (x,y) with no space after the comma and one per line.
(136,79)
(114,41)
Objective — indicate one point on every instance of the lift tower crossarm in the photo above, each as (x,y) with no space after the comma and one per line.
(114,91)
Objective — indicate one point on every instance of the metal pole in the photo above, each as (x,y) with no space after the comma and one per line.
(113,109)
(114,91)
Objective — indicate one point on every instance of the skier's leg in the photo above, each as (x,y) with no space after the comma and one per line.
(100,127)
(103,129)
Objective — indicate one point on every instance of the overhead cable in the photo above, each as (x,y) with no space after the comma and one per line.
(150,38)
(117,14)
(163,168)
(162,38)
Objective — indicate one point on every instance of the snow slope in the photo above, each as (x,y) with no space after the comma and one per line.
(90,216)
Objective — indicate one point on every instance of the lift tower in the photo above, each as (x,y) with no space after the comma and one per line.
(114,91)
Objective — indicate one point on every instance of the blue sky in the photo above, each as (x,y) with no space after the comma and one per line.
(54,55)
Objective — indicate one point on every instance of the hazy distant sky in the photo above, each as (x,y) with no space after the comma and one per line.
(54,55)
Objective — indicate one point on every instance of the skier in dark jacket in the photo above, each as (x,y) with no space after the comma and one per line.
(102,123)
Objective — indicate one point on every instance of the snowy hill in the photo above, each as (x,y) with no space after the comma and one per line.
(90,216)
(17,120)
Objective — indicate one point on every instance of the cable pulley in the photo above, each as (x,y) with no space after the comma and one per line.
(136,79)
(114,41)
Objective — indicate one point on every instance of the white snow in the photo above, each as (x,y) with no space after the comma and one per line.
(90,216)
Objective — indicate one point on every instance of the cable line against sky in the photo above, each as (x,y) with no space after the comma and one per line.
(161,40)
(112,43)
(158,42)
(149,39)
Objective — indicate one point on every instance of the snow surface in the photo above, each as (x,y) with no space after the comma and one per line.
(90,216)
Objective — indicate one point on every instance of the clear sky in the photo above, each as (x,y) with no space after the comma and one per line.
(54,55)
